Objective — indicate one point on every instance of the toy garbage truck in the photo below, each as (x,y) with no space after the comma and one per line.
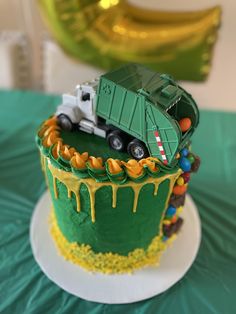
(135,109)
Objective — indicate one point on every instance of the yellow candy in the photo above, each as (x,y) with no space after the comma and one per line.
(179,210)
(180,181)
(166,222)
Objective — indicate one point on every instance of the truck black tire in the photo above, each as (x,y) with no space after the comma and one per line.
(137,149)
(65,122)
(116,140)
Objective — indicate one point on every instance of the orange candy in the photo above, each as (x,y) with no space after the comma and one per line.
(179,189)
(174,219)
(185,124)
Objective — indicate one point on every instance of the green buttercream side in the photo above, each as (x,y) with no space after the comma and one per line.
(116,230)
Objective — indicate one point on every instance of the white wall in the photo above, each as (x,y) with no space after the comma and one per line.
(23,15)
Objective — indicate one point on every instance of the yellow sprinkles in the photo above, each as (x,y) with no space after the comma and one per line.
(107,263)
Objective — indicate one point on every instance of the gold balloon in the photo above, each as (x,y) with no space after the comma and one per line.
(108,33)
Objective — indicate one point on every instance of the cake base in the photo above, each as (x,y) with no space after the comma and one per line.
(114,289)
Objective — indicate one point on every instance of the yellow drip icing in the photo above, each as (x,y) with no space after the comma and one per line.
(156,185)
(73,184)
(114,195)
(43,165)
(69,193)
(77,202)
(42,159)
(136,195)
(55,187)
(92,203)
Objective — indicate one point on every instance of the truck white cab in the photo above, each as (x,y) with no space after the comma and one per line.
(79,109)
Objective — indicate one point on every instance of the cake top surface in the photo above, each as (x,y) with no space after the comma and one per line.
(81,163)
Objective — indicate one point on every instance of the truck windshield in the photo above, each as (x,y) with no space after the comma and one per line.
(85,96)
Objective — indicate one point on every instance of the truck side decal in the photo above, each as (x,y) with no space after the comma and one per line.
(161,148)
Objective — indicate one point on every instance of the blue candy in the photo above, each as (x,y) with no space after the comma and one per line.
(184,152)
(171,210)
(185,164)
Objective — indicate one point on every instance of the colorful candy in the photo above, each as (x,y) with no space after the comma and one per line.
(179,210)
(186,177)
(184,164)
(174,219)
(179,189)
(171,210)
(177,200)
(184,152)
(196,164)
(185,124)
(180,181)
(191,158)
(164,238)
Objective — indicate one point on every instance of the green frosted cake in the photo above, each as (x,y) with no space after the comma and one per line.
(119,211)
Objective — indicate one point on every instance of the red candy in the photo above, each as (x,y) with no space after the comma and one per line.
(186,176)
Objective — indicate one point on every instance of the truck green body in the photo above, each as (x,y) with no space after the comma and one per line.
(141,103)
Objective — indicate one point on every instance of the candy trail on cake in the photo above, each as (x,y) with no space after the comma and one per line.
(172,222)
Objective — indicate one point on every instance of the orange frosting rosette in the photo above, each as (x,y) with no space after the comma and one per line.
(51,129)
(49,126)
(96,163)
(134,169)
(56,149)
(114,166)
(150,163)
(51,122)
(67,152)
(78,161)
(51,138)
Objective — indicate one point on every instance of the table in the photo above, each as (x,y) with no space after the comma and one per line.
(210,284)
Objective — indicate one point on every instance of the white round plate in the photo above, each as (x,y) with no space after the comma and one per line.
(115,289)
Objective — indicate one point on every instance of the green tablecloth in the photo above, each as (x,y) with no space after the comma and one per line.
(210,284)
